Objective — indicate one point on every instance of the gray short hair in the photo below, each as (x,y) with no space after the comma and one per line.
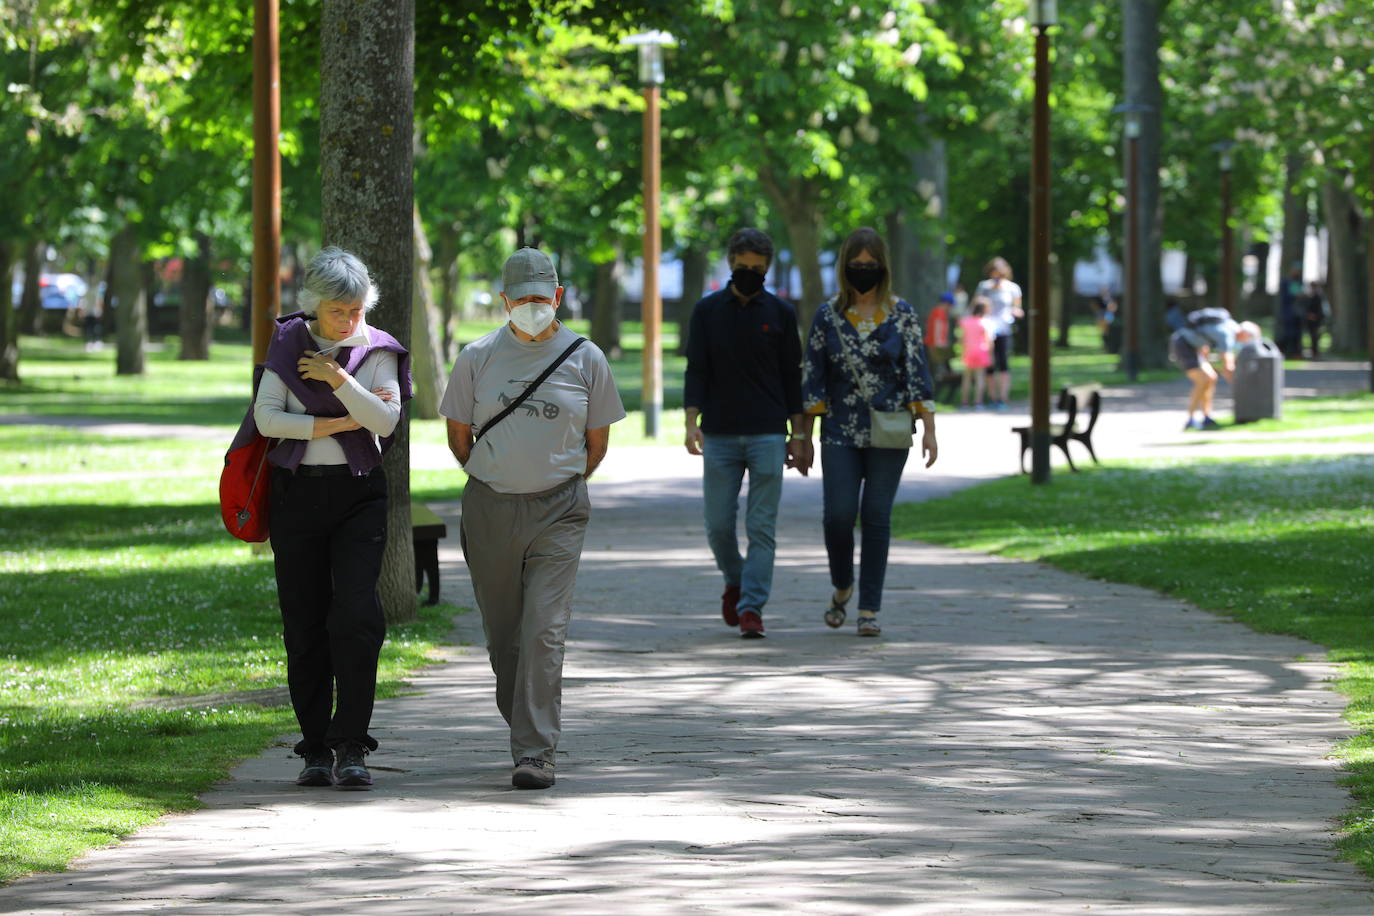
(335,275)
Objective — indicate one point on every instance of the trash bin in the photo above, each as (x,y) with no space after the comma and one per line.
(1258,383)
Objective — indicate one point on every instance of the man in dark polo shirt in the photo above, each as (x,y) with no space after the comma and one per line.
(743,388)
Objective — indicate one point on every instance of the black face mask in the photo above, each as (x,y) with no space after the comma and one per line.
(745,281)
(863,278)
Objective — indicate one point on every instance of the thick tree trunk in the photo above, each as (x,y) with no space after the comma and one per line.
(447,254)
(606,307)
(9,318)
(1295,218)
(367,119)
(31,300)
(695,263)
(1141,53)
(926,257)
(797,199)
(426,348)
(1345,277)
(197,309)
(131,301)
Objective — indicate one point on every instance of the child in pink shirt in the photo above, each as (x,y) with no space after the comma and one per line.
(973,328)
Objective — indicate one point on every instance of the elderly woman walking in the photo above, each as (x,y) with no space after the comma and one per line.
(331,391)
(866,373)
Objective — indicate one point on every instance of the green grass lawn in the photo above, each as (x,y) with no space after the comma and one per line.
(1283,545)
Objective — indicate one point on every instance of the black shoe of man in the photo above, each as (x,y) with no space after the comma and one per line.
(350,772)
(318,769)
(532,773)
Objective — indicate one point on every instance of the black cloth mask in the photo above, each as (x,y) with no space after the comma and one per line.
(746,281)
(864,278)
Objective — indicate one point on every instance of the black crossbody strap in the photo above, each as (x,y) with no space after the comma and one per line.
(510,408)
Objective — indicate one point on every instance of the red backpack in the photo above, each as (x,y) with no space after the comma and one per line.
(245,484)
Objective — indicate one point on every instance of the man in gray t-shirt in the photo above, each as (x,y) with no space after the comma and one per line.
(525,506)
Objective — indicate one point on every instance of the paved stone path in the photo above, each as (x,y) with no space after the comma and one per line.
(1021,740)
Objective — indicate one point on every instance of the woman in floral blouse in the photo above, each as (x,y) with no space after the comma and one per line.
(865,350)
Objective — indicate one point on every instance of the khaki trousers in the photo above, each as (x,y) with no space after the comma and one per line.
(522,551)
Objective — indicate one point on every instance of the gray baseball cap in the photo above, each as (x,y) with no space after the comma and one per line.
(529,272)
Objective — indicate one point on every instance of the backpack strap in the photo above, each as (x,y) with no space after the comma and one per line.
(510,408)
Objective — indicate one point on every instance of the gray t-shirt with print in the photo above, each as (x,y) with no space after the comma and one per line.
(542,443)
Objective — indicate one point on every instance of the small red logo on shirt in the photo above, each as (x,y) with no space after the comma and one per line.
(765,327)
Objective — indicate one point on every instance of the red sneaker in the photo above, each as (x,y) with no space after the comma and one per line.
(729,599)
(751,625)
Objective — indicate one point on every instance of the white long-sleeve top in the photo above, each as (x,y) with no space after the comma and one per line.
(281,415)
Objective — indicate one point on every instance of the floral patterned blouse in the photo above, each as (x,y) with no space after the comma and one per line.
(892,357)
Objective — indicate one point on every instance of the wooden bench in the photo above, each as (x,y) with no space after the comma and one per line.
(1072,400)
(427,529)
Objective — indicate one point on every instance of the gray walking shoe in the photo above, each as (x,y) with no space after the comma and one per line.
(532,773)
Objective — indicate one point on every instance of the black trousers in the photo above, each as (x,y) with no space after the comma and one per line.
(328,534)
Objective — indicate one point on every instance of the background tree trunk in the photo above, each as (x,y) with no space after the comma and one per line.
(695,263)
(367,129)
(925,256)
(1295,217)
(447,254)
(606,307)
(9,318)
(131,301)
(1141,65)
(797,199)
(1344,278)
(427,355)
(197,309)
(31,300)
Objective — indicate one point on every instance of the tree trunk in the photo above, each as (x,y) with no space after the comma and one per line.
(606,307)
(695,263)
(197,309)
(926,262)
(1345,289)
(131,302)
(797,199)
(1295,217)
(367,130)
(427,355)
(448,288)
(31,300)
(9,318)
(1141,65)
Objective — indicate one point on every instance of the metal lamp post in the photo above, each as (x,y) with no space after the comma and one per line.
(1228,280)
(651,45)
(1044,14)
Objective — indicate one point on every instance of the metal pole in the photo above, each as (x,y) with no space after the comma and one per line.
(266,176)
(1227,286)
(652,399)
(1133,295)
(1039,311)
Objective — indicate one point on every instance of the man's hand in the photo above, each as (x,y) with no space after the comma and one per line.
(798,455)
(694,441)
(322,369)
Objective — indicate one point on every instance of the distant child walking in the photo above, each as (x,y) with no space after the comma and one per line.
(977,335)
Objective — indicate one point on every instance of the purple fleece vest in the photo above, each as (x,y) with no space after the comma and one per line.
(291,340)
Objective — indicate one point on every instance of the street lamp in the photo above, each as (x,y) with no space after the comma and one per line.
(1133,297)
(1044,14)
(1228,282)
(651,45)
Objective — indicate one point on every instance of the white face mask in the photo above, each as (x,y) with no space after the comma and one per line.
(532,317)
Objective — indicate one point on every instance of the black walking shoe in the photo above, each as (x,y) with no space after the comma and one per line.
(532,773)
(317,769)
(349,770)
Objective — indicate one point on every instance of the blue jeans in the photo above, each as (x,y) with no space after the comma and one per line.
(725,460)
(859,483)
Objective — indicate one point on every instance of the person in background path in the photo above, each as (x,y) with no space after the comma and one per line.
(1004,297)
(742,390)
(332,385)
(1313,317)
(977,342)
(525,506)
(940,336)
(864,353)
(1292,309)
(1207,331)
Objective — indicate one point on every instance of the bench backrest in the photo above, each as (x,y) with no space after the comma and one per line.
(1088,397)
